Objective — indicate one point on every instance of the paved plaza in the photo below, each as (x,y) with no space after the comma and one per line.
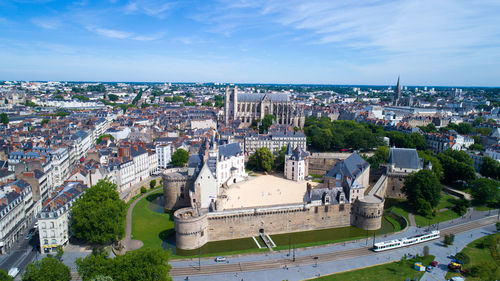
(264,190)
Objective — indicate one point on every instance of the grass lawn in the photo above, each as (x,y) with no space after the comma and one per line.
(446,201)
(150,226)
(316,176)
(479,256)
(400,270)
(327,236)
(440,217)
(222,248)
(483,208)
(397,206)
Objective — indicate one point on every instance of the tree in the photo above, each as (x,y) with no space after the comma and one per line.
(457,165)
(261,160)
(180,157)
(99,214)
(4,276)
(219,101)
(464,128)
(143,189)
(423,185)
(113,97)
(48,269)
(418,141)
(461,206)
(152,184)
(426,251)
(279,162)
(437,168)
(207,103)
(267,121)
(4,118)
(60,253)
(498,226)
(45,121)
(449,239)
(381,156)
(478,121)
(143,264)
(485,191)
(490,168)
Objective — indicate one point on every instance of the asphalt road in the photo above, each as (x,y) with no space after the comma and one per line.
(22,253)
(308,260)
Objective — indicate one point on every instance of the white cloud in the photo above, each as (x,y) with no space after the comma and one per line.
(111,33)
(154,8)
(47,23)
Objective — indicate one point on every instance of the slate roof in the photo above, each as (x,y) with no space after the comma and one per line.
(229,150)
(256,97)
(405,158)
(349,167)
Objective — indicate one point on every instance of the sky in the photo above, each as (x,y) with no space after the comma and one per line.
(370,42)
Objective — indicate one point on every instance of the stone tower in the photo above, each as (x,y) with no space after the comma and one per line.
(231,101)
(176,190)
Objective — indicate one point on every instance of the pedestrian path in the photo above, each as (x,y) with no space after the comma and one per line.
(411,217)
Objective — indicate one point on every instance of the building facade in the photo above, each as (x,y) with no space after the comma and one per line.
(247,107)
(54,219)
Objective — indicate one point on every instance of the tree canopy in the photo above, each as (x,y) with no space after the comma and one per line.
(457,165)
(279,162)
(180,157)
(48,269)
(324,135)
(422,188)
(381,156)
(143,264)
(261,160)
(4,118)
(485,191)
(490,168)
(267,121)
(437,168)
(99,214)
(4,276)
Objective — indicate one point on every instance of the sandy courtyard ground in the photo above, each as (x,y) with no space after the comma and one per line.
(265,190)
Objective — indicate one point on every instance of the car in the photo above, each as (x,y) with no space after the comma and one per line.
(13,272)
(434,263)
(220,259)
(429,268)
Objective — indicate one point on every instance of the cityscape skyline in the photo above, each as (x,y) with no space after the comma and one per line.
(450,43)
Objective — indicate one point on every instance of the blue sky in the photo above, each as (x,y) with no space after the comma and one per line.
(427,42)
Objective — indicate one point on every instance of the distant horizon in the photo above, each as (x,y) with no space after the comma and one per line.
(250,84)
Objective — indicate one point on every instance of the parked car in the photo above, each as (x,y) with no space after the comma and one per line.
(429,268)
(434,263)
(220,259)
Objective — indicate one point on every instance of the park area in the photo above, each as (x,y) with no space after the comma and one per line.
(483,259)
(155,229)
(400,270)
(444,210)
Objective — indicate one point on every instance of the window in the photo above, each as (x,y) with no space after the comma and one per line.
(54,241)
(43,225)
(51,224)
(52,233)
(45,242)
(44,234)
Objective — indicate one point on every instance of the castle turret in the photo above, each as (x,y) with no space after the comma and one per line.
(176,190)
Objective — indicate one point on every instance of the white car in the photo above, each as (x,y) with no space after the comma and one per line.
(13,271)
(220,259)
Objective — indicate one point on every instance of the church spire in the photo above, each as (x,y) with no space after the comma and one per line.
(397,93)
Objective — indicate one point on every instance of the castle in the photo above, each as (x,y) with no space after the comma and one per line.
(247,107)
(214,199)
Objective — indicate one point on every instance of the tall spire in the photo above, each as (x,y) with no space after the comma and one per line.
(397,93)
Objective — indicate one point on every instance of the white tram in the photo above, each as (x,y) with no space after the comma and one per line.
(407,241)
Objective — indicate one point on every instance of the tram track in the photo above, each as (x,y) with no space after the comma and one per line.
(308,260)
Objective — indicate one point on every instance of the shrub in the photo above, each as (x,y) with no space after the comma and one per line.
(152,184)
(462,257)
(143,189)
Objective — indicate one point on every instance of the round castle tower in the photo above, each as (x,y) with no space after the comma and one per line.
(368,213)
(191,228)
(176,190)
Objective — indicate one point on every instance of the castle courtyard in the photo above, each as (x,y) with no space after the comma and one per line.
(263,190)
